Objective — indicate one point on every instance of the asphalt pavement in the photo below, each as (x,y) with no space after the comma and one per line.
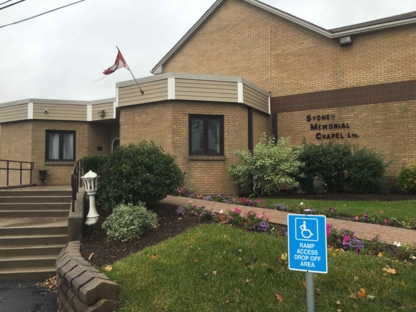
(26,297)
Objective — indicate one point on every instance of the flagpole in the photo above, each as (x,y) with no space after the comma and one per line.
(131,72)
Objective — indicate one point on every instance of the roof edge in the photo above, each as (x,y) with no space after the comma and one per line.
(186,36)
(158,69)
(51,101)
(236,79)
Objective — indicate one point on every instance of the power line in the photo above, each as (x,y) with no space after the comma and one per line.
(5,2)
(11,4)
(26,19)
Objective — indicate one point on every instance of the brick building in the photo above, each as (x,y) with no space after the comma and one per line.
(243,69)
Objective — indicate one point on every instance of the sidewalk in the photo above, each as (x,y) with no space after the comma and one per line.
(387,234)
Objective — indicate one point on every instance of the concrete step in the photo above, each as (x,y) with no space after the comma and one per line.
(28,223)
(27,274)
(34,213)
(19,240)
(25,262)
(34,206)
(25,231)
(34,193)
(35,199)
(26,251)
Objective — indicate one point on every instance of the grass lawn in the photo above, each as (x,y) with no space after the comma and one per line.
(216,267)
(400,210)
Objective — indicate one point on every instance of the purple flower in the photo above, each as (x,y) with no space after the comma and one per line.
(181,210)
(263,226)
(365,217)
(280,207)
(208,198)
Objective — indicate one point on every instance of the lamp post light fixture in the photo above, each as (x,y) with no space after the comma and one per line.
(90,182)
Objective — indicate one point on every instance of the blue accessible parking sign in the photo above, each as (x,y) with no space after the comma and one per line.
(307,243)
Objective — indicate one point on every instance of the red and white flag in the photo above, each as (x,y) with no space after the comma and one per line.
(119,63)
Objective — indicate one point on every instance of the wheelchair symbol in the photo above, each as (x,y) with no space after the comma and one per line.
(306,229)
(306,233)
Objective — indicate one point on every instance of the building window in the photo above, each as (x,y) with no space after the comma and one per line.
(115,144)
(60,145)
(206,135)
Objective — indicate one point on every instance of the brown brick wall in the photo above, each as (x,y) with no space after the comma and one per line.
(207,176)
(387,128)
(59,173)
(284,58)
(167,124)
(150,122)
(260,126)
(99,136)
(288,59)
(16,139)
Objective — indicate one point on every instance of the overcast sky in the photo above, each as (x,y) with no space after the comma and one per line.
(61,54)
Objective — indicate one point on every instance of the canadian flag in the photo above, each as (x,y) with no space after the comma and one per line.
(119,63)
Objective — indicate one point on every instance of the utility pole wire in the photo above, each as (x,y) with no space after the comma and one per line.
(11,4)
(5,2)
(26,19)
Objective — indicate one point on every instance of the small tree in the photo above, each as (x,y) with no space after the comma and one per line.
(269,166)
(406,179)
(366,172)
(325,161)
(138,173)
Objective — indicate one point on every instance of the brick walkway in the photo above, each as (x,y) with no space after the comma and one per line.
(368,231)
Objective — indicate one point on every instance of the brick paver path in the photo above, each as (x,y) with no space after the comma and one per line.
(368,231)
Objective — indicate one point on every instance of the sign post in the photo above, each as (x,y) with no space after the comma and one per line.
(307,249)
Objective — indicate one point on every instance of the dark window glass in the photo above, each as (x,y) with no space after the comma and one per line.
(206,135)
(60,145)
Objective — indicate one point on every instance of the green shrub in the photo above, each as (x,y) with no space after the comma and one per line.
(366,172)
(327,162)
(269,166)
(138,173)
(406,179)
(93,163)
(130,222)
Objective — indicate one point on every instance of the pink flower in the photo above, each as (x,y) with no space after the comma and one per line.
(236,210)
(260,216)
(331,210)
(386,221)
(356,218)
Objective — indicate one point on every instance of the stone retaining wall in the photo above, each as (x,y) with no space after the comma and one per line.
(81,287)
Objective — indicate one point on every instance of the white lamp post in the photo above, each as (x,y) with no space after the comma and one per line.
(90,182)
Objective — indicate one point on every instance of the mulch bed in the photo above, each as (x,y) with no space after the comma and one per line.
(106,251)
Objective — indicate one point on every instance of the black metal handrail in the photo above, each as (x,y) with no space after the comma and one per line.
(76,181)
(21,169)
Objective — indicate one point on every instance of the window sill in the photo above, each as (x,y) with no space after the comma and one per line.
(59,163)
(209,158)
